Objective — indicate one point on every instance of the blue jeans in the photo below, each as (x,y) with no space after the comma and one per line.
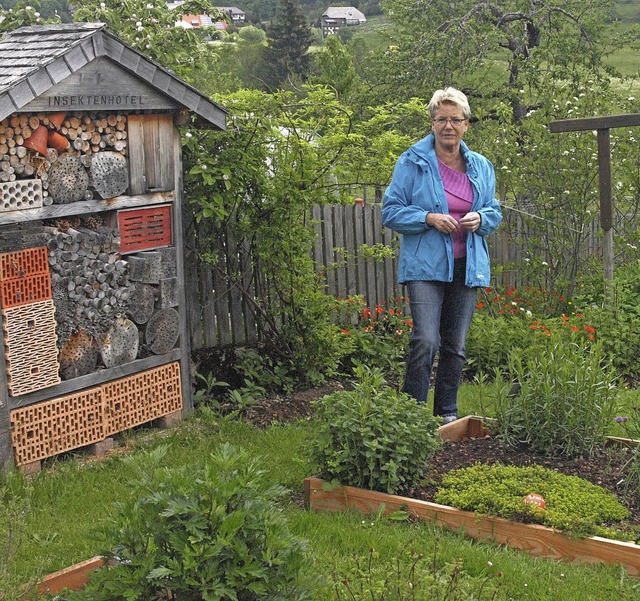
(442,313)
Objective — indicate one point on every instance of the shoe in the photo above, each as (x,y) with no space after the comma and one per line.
(447,419)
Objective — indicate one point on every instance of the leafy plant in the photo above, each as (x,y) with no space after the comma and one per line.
(559,396)
(373,436)
(210,532)
(573,505)
(377,337)
(411,576)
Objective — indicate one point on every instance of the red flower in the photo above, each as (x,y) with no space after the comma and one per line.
(480,305)
(345,332)
(366,313)
(575,329)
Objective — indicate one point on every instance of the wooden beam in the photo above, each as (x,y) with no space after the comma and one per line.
(590,123)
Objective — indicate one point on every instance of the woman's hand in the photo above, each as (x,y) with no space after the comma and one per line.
(443,223)
(471,221)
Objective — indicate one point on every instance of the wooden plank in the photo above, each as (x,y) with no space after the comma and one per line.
(377,227)
(349,243)
(73,578)
(328,253)
(590,123)
(221,305)
(76,58)
(538,541)
(316,251)
(84,207)
(372,297)
(338,214)
(359,239)
(100,85)
(178,237)
(158,165)
(234,277)
(136,152)
(21,93)
(248,284)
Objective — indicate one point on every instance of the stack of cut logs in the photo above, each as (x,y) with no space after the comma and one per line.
(81,133)
(90,281)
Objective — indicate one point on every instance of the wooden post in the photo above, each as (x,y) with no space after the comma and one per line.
(602,125)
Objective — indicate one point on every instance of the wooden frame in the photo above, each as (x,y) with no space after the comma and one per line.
(538,541)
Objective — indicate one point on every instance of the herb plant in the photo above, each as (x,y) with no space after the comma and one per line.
(208,533)
(559,397)
(573,504)
(373,436)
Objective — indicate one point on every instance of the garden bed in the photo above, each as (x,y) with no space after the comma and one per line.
(537,540)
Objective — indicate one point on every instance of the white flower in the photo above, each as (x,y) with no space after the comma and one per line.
(138,23)
(631,98)
(103,5)
(188,135)
(545,263)
(514,303)
(529,314)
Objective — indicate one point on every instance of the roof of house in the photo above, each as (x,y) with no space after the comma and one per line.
(34,59)
(344,12)
(231,9)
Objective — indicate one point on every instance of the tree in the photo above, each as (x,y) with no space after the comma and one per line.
(458,43)
(335,68)
(148,25)
(289,38)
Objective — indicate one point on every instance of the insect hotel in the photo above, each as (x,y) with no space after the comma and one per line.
(91,266)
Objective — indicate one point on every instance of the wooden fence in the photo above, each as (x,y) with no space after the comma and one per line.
(220,297)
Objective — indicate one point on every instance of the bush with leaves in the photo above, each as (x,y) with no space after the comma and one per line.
(558,397)
(376,337)
(373,436)
(212,532)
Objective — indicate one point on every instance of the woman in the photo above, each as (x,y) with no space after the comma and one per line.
(442,201)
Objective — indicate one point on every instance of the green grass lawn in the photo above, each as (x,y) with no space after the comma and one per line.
(72,496)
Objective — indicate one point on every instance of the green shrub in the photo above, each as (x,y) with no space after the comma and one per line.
(559,398)
(573,505)
(376,338)
(212,532)
(373,436)
(617,318)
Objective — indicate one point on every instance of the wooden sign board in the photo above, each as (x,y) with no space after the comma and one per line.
(102,85)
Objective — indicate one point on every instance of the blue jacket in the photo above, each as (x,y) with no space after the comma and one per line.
(415,190)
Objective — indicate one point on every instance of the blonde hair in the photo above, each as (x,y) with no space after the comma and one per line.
(449,96)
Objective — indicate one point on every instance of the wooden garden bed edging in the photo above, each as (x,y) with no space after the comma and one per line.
(73,578)
(538,541)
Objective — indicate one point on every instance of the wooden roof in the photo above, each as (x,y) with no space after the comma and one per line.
(35,59)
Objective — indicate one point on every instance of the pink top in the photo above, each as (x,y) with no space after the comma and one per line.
(459,194)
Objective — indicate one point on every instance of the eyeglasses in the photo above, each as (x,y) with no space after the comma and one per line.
(455,121)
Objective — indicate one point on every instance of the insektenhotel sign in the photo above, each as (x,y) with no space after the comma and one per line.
(89,101)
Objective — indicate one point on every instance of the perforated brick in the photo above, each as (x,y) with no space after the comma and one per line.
(23,263)
(143,397)
(144,229)
(21,194)
(29,289)
(45,429)
(30,347)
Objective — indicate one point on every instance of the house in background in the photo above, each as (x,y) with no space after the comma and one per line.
(236,16)
(336,17)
